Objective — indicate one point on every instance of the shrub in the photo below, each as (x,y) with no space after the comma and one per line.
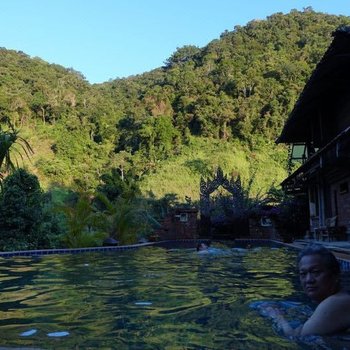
(21,211)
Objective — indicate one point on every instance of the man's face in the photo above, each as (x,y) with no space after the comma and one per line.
(316,279)
(202,246)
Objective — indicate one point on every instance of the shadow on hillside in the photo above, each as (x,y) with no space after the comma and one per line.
(199,166)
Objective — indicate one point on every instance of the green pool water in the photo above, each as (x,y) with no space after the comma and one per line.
(149,298)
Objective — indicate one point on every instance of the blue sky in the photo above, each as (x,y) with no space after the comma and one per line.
(108,39)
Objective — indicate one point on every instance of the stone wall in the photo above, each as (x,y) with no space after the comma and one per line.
(179,224)
(260,228)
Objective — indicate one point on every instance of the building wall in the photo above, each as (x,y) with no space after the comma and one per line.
(257,230)
(180,224)
(340,191)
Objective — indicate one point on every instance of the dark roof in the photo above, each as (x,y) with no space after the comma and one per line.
(328,79)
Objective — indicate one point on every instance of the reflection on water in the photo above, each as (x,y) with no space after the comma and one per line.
(150,298)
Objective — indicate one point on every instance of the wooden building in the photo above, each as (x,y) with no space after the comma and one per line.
(318,130)
(181,223)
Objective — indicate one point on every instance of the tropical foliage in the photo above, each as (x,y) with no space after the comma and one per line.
(157,133)
(238,90)
(82,222)
(25,219)
(291,217)
(12,146)
(124,220)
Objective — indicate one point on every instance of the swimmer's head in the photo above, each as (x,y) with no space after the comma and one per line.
(201,246)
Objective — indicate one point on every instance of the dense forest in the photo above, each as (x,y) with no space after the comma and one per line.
(222,105)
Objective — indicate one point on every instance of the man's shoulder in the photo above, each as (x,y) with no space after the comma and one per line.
(340,300)
(341,295)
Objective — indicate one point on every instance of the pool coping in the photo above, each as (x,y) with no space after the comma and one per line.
(40,252)
(344,262)
(339,253)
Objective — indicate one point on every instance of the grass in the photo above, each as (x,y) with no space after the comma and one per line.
(182,174)
(179,174)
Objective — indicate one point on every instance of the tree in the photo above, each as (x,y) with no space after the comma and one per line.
(116,184)
(157,136)
(182,54)
(126,220)
(291,216)
(11,147)
(21,211)
(40,105)
(83,222)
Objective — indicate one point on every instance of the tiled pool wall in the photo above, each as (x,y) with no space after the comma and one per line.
(180,243)
(185,243)
(344,264)
(69,251)
(165,244)
(256,242)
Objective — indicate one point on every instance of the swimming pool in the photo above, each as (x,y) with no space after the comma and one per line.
(148,298)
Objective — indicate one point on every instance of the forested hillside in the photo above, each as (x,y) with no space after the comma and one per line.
(220,105)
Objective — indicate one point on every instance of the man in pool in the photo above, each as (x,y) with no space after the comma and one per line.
(202,247)
(319,273)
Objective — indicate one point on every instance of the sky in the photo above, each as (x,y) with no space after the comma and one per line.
(109,39)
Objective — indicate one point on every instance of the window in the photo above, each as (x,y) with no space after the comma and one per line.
(300,152)
(265,221)
(183,217)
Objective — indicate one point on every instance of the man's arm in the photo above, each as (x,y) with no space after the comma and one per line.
(331,316)
(282,323)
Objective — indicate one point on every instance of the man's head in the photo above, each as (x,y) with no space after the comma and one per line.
(201,246)
(319,272)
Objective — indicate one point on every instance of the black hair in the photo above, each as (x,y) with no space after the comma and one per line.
(200,243)
(329,259)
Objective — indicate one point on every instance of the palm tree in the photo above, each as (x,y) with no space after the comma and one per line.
(125,219)
(12,146)
(83,223)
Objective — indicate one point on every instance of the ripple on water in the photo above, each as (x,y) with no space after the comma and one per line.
(143,299)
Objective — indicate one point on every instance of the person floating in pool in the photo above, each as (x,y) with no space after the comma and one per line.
(202,247)
(319,273)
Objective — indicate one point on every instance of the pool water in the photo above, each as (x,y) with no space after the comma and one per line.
(148,298)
